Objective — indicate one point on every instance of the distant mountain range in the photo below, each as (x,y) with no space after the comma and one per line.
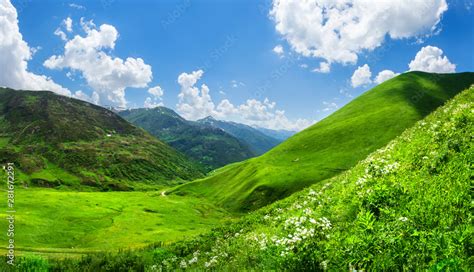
(209,145)
(259,142)
(280,134)
(60,141)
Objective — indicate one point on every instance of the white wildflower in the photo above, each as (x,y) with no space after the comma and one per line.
(324,265)
(361,181)
(193,260)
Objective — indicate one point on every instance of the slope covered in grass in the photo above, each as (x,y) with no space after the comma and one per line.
(331,146)
(406,207)
(210,146)
(55,140)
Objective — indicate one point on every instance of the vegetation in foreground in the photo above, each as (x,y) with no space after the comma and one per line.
(406,207)
(56,141)
(332,145)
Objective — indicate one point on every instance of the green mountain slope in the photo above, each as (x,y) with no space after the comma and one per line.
(256,140)
(211,146)
(406,207)
(56,140)
(331,146)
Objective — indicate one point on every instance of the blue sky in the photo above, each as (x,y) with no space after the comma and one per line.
(233,43)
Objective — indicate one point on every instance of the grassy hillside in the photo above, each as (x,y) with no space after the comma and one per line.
(256,140)
(406,207)
(58,141)
(331,146)
(211,146)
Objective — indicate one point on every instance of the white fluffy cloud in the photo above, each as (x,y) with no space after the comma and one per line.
(324,68)
(339,30)
(156,97)
(108,76)
(196,103)
(15,54)
(58,32)
(278,50)
(431,59)
(384,76)
(68,24)
(361,76)
(156,91)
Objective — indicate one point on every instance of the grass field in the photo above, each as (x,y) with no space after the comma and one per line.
(60,222)
(331,146)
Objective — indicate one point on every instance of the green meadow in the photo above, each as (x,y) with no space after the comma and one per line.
(62,223)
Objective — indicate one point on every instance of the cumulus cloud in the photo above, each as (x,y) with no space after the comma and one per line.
(68,24)
(361,76)
(384,76)
(156,97)
(58,32)
(15,54)
(324,68)
(156,91)
(338,31)
(279,50)
(107,75)
(196,103)
(431,59)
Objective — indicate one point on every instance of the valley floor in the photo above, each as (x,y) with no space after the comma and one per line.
(58,223)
